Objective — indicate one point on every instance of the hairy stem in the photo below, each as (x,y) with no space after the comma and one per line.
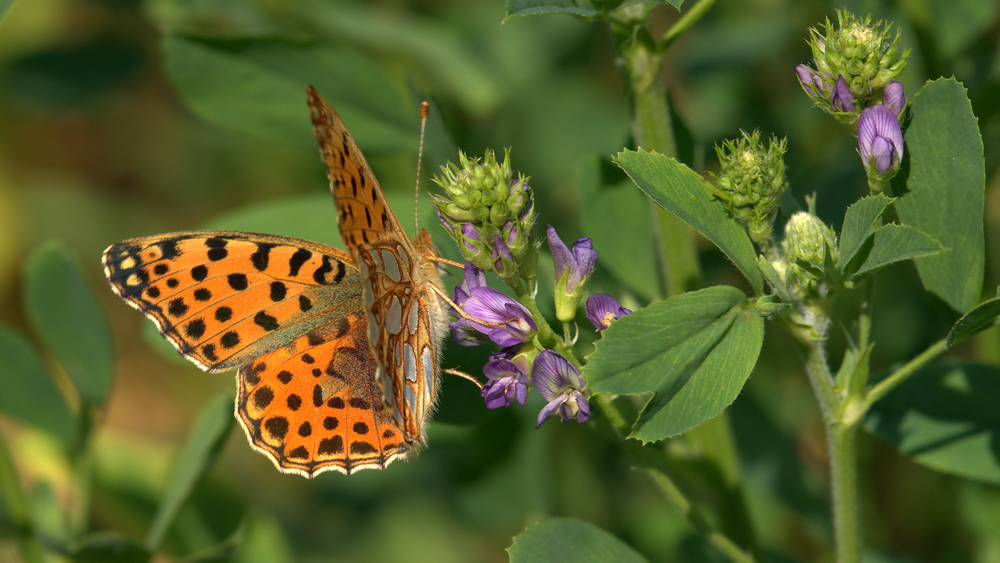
(844,490)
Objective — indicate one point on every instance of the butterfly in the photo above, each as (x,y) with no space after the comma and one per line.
(337,352)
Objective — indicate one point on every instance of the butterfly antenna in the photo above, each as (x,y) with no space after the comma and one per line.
(425,109)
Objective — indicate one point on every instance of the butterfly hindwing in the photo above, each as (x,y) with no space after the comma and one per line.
(313,403)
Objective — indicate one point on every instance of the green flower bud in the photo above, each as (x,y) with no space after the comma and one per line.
(489,214)
(751,181)
(808,248)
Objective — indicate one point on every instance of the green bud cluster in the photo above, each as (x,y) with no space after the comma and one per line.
(751,182)
(864,54)
(809,253)
(490,215)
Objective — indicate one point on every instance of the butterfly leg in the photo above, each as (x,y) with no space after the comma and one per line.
(463,375)
(462,313)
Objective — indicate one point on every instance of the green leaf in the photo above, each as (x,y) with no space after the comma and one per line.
(694,351)
(860,221)
(196,459)
(681,191)
(618,220)
(30,394)
(65,314)
(941,190)
(534,7)
(108,546)
(893,243)
(981,318)
(258,87)
(570,541)
(946,417)
(263,540)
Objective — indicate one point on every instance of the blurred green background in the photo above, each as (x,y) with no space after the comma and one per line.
(123,118)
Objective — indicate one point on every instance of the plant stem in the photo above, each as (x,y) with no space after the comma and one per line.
(901,374)
(17,507)
(821,380)
(844,490)
(654,465)
(683,24)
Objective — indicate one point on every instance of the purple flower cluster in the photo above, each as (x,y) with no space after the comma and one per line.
(519,364)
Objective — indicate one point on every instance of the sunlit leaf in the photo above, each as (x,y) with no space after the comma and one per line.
(694,352)
(893,243)
(681,191)
(860,221)
(570,541)
(941,190)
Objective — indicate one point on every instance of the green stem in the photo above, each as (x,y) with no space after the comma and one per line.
(821,379)
(685,22)
(652,129)
(653,463)
(901,374)
(17,507)
(844,490)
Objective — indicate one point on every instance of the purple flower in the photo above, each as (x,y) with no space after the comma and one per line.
(488,304)
(576,263)
(558,381)
(470,233)
(462,331)
(444,222)
(507,383)
(602,309)
(500,254)
(842,99)
(880,140)
(892,97)
(811,80)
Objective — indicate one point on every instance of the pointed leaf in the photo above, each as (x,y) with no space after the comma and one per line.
(681,191)
(29,393)
(941,190)
(860,221)
(893,243)
(570,541)
(947,417)
(981,318)
(65,314)
(199,453)
(694,351)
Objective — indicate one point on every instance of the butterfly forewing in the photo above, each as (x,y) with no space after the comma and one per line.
(266,304)
(405,326)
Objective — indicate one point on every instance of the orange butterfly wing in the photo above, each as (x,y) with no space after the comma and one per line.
(406,321)
(287,312)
